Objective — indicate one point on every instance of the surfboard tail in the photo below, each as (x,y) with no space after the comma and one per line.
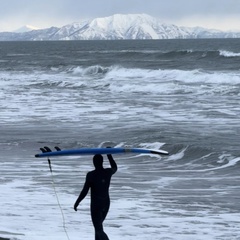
(160,152)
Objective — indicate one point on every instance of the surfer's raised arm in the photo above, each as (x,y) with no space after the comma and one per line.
(112,163)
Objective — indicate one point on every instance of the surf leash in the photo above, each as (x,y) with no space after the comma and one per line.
(46,149)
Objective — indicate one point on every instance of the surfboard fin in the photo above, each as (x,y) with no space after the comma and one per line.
(47,149)
(58,148)
(43,150)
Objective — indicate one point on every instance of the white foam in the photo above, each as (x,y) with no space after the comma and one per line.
(144,204)
(154,145)
(177,156)
(228,54)
(231,163)
(114,95)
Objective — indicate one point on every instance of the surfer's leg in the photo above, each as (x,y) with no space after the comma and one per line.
(105,211)
(101,236)
(97,220)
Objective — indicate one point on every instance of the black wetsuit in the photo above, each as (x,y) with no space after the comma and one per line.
(98,181)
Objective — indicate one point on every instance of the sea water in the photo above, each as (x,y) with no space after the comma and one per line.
(177,95)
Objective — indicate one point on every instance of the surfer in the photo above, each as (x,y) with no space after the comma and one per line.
(98,181)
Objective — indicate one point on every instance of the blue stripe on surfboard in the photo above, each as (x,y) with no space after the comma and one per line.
(92,151)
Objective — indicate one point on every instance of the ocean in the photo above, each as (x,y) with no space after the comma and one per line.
(181,96)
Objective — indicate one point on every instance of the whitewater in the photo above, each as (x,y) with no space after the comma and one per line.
(181,96)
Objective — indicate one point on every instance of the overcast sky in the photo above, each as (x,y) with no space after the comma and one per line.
(218,14)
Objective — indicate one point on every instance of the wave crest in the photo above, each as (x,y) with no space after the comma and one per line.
(228,54)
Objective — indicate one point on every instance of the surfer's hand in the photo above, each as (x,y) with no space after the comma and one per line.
(109,155)
(75,207)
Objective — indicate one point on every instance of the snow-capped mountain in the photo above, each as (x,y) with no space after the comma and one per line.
(131,26)
(118,26)
(26,28)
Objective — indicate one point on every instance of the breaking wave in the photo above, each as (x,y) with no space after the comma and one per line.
(228,54)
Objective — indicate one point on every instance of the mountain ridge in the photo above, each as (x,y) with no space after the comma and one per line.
(118,27)
(26,28)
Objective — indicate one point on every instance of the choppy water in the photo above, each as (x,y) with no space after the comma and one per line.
(178,95)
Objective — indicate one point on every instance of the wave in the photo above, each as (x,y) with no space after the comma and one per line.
(230,163)
(126,79)
(176,53)
(211,54)
(174,75)
(162,75)
(228,54)
(89,71)
(192,158)
(188,52)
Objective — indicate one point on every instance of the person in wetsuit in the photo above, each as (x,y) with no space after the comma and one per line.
(98,181)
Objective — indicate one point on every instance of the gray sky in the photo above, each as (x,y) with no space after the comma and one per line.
(218,14)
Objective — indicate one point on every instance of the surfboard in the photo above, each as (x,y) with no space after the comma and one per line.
(93,151)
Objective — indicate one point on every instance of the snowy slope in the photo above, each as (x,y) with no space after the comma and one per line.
(26,28)
(131,26)
(119,26)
